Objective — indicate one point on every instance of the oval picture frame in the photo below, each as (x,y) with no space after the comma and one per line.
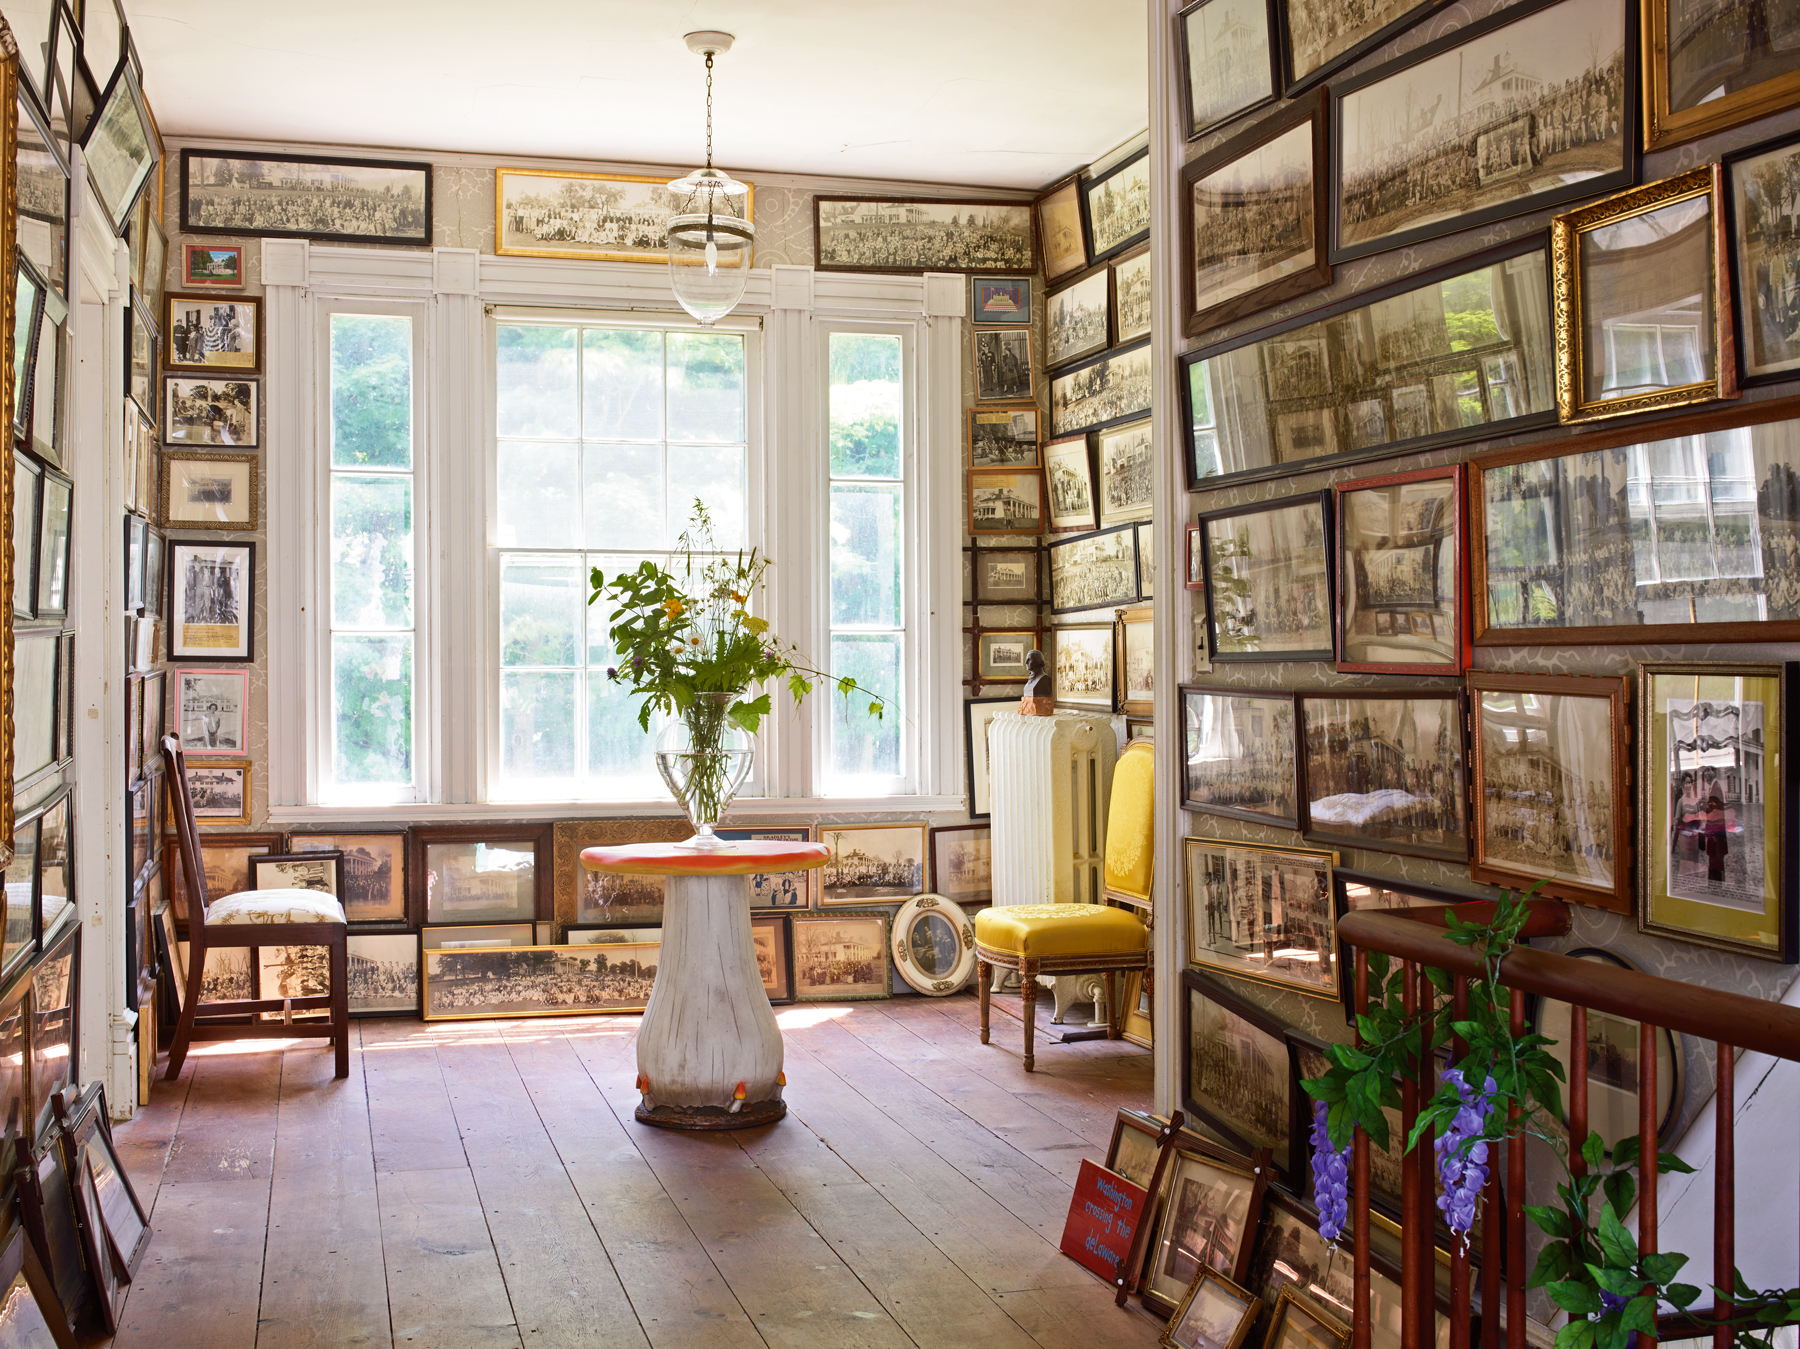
(915,918)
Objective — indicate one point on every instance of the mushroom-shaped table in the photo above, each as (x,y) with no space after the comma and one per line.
(709,1051)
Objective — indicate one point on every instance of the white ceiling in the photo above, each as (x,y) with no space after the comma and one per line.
(1004,93)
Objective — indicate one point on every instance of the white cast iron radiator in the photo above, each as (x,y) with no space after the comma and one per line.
(1049,782)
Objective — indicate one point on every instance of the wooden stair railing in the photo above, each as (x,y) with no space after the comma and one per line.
(1415,937)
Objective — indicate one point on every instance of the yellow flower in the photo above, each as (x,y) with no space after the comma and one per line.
(739,598)
(673,607)
(756,626)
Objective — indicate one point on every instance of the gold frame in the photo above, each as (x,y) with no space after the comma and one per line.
(1252,1309)
(1138,615)
(203,821)
(1663,127)
(1566,304)
(982,634)
(1215,965)
(1289,1298)
(9,222)
(658,259)
(172,454)
(425,1012)
(921,827)
(1133,1025)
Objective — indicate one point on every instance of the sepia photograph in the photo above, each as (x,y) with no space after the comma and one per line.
(840,957)
(1006,501)
(478,881)
(1297,1323)
(480,935)
(219,265)
(1069,480)
(321,871)
(227,976)
(1000,655)
(383,974)
(962,863)
(1127,469)
(210,597)
(1238,755)
(1385,771)
(1003,437)
(1133,1150)
(210,491)
(1003,364)
(1075,318)
(121,147)
(1115,204)
(1094,571)
(1227,64)
(1206,1217)
(368,201)
(373,887)
(1059,229)
(771,937)
(872,862)
(768,890)
(598,217)
(1135,643)
(1713,64)
(1265,914)
(205,332)
(292,972)
(1323,35)
(1235,1073)
(224,860)
(211,711)
(1082,660)
(1215,1314)
(1131,298)
(1429,143)
(1399,562)
(1112,388)
(1765,239)
(999,299)
(1268,582)
(537,981)
(220,793)
(1614,1067)
(1146,551)
(1005,576)
(209,412)
(928,234)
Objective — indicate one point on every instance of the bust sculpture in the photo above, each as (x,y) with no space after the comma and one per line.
(1039,700)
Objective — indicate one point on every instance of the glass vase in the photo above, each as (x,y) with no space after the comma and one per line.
(704,757)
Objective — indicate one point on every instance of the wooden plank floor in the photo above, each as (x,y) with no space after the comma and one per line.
(483,1184)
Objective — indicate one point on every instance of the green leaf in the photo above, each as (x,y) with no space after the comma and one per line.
(1621,1190)
(1553,1264)
(1618,1282)
(1615,1242)
(1325,1089)
(1680,1295)
(1640,1315)
(1576,1335)
(1575,1297)
(1662,1266)
(1667,1162)
(1625,1152)
(1593,1150)
(1552,1220)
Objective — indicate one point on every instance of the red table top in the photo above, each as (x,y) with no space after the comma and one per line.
(745,858)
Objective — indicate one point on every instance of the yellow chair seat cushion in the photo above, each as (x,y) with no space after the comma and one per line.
(274,906)
(1049,931)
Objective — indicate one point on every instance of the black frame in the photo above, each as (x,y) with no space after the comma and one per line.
(1092,185)
(976,314)
(1193,132)
(1083,277)
(420,837)
(1323,498)
(138,315)
(1298,84)
(1741,307)
(1105,357)
(249,616)
(137,548)
(25,380)
(1241,812)
(21,1259)
(969,749)
(123,74)
(338,161)
(28,477)
(84,1125)
(780,918)
(389,930)
(1030,265)
(1193,981)
(1037,569)
(1069,540)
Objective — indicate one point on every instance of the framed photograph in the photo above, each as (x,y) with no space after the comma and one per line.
(1133,1150)
(999,299)
(1059,229)
(1075,318)
(1385,769)
(225,860)
(1253,218)
(1615,1077)
(477,874)
(27,477)
(1000,655)
(478,935)
(780,889)
(211,712)
(1227,50)
(1292,1255)
(20,939)
(601,898)
(1359,890)
(1716,812)
(1309,383)
(1195,559)
(383,978)
(1146,551)
(1135,643)
(962,863)
(1709,67)
(1762,247)
(55,995)
(211,594)
(1111,388)
(1643,300)
(137,546)
(28,311)
(1551,785)
(155,553)
(1094,571)
(335,200)
(56,494)
(1322,37)
(1003,364)
(36,684)
(1006,501)
(212,333)
(599,217)
(772,935)
(120,147)
(1005,576)
(210,491)
(1297,1322)
(1478,160)
(1082,660)
(603,936)
(1126,469)
(1401,574)
(49,382)
(922,234)
(373,884)
(321,871)
(1131,298)
(220,793)
(871,863)
(1215,1314)
(1239,755)
(1234,1076)
(140,354)
(841,957)
(1268,580)
(1069,481)
(1207,1216)
(220,265)
(1263,913)
(1003,437)
(464,985)
(209,412)
(932,945)
(1115,206)
(1139,728)
(977,713)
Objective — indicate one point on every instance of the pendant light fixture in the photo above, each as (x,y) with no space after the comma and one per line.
(710,234)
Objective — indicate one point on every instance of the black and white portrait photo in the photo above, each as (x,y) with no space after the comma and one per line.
(1002,363)
(1069,481)
(383,973)
(204,332)
(210,710)
(1765,195)
(886,234)
(348,200)
(210,593)
(537,981)
(209,412)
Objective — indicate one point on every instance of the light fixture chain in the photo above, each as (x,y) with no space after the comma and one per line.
(709,64)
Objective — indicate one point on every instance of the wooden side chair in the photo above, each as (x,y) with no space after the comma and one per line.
(252,918)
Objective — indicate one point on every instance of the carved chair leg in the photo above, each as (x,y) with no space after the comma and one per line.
(984,975)
(1113,1030)
(1028,985)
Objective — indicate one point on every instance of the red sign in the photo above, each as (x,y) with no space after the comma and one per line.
(1102,1219)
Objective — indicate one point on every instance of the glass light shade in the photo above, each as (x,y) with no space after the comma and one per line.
(709,243)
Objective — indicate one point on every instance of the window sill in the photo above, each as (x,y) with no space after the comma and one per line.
(744,809)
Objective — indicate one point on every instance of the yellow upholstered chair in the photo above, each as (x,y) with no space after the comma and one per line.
(1103,939)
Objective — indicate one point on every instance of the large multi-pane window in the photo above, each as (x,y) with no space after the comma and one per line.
(606,435)
(373,625)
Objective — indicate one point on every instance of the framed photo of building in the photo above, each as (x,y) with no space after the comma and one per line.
(999,299)
(335,200)
(211,593)
(374,884)
(841,957)
(1238,755)
(1323,36)
(1551,787)
(1094,571)
(1000,655)
(1207,1219)
(210,491)
(1075,318)
(772,935)
(1401,573)
(462,985)
(1227,50)
(1111,388)
(1126,469)
(1069,481)
(922,234)
(1268,580)
(383,974)
(1082,660)
(1261,913)
(962,863)
(977,713)
(1234,1076)
(220,792)
(871,863)
(1563,68)
(1131,298)
(1005,576)
(1003,364)
(1709,67)
(210,412)
(212,333)
(1003,437)
(1059,229)
(220,265)
(1006,501)
(1716,815)
(480,874)
(1115,205)
(1758,181)
(1253,218)
(1385,769)
(1643,313)
(1135,644)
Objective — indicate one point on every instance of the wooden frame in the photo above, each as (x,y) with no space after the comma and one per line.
(1308,922)
(977,764)
(189,277)
(1073,687)
(141,340)
(1220,305)
(1071,504)
(347,842)
(185,438)
(1614,693)
(108,137)
(192,222)
(1250,1177)
(1003,512)
(1664,126)
(1235,590)
(999,451)
(209,743)
(955,887)
(808,988)
(1124,451)
(22,1271)
(780,986)
(1085,345)
(899,886)
(1128,173)
(999,299)
(367,951)
(1750,907)
(241,769)
(1395,17)
(1247,741)
(47,1208)
(993,344)
(1129,620)
(86,1128)
(421,838)
(1065,554)
(1194,559)
(1058,213)
(1291,1303)
(1408,528)
(1758,253)
(982,588)
(1135,1021)
(1134,384)
(650,192)
(1131,286)
(247,319)
(1136,1161)
(923,208)
(242,558)
(543,959)
(1570,303)
(1251,1022)
(287,867)
(1173,1336)
(984,673)
(1197,122)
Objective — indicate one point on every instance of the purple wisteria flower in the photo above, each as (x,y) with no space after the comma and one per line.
(1463,1170)
(1331,1177)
